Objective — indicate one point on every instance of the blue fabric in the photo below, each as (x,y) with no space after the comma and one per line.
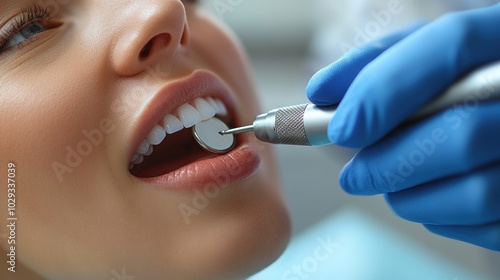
(444,171)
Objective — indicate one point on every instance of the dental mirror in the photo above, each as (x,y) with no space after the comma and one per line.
(207,135)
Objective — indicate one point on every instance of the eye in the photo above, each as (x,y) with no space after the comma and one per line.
(31,21)
(28,31)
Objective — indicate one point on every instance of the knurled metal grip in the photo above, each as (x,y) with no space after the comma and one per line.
(304,125)
(289,126)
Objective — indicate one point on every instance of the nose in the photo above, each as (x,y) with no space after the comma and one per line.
(152,32)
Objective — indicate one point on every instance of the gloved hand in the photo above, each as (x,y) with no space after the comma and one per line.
(444,171)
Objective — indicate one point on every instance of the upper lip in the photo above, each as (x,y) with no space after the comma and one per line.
(200,83)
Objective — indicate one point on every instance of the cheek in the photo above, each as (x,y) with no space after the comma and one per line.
(45,112)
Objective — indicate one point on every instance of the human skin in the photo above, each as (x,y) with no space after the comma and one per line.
(99,219)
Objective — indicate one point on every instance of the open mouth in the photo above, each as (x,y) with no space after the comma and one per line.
(170,145)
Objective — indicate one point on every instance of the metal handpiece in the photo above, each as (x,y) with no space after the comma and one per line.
(304,124)
(307,124)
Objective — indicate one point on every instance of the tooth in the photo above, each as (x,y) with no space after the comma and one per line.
(150,151)
(189,116)
(138,160)
(222,107)
(130,166)
(143,148)
(214,104)
(219,107)
(172,124)
(135,157)
(157,135)
(205,109)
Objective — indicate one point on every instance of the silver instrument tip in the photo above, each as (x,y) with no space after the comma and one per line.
(238,130)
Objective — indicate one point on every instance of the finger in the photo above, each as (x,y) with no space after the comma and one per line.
(471,199)
(450,143)
(410,74)
(486,236)
(329,85)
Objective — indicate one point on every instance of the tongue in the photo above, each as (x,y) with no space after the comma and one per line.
(176,151)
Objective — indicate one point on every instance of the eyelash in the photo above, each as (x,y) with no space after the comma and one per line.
(28,15)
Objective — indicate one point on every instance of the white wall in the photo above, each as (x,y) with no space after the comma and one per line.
(268,25)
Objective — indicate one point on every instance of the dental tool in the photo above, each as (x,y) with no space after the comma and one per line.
(307,124)
(207,135)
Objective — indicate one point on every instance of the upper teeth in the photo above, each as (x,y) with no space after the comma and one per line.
(186,116)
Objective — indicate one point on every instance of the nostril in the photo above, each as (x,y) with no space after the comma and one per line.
(146,50)
(159,41)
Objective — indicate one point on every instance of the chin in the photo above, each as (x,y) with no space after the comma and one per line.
(244,232)
(254,239)
(233,247)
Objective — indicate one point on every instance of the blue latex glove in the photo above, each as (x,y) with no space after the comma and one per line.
(444,171)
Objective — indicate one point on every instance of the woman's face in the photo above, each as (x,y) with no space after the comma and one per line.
(83,84)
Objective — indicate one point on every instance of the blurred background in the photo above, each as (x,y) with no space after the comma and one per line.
(289,40)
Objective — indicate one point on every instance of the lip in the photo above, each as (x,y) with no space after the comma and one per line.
(217,171)
(214,173)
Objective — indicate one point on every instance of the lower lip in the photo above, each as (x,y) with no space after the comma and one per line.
(218,172)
